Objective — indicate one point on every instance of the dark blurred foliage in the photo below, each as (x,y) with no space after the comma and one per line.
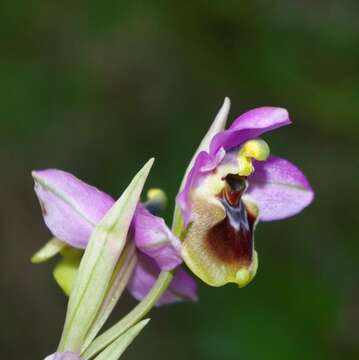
(98,87)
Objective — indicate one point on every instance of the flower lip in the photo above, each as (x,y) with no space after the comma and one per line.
(231,240)
(219,245)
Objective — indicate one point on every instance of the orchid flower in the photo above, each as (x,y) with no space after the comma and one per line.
(71,209)
(232,184)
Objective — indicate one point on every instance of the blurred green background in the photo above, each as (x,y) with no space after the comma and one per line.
(96,88)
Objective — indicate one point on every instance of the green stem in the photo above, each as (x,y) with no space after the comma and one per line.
(137,314)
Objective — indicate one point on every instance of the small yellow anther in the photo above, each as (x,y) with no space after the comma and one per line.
(256,149)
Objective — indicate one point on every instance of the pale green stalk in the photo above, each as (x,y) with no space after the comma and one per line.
(117,348)
(118,283)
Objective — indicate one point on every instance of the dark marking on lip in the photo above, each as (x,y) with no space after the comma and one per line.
(231,240)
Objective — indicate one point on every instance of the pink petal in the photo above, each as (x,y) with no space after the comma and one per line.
(155,239)
(250,125)
(71,208)
(182,288)
(279,189)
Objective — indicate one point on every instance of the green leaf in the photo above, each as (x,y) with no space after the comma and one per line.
(117,348)
(98,263)
(118,283)
(49,250)
(138,313)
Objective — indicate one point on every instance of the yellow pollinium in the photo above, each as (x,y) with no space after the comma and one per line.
(256,149)
(157,195)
